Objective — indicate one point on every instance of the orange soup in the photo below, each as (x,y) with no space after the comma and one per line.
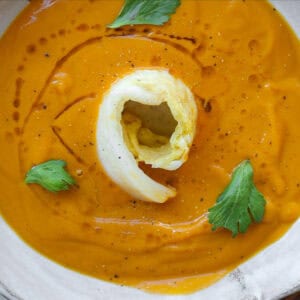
(242,63)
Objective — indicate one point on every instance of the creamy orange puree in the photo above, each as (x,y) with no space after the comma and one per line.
(242,62)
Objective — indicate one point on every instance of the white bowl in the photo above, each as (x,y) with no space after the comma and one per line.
(25,274)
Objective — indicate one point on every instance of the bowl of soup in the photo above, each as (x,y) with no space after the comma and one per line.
(149,149)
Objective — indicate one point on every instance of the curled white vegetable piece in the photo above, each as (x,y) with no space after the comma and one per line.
(123,138)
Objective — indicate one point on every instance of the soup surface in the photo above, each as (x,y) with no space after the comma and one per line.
(242,63)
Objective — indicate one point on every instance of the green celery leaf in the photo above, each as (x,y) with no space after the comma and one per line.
(154,12)
(240,202)
(51,175)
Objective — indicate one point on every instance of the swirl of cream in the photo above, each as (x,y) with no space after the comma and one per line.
(120,135)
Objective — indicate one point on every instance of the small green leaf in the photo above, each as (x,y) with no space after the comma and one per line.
(239,204)
(154,12)
(51,175)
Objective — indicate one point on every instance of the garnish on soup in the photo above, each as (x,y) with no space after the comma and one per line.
(154,12)
(240,202)
(51,175)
